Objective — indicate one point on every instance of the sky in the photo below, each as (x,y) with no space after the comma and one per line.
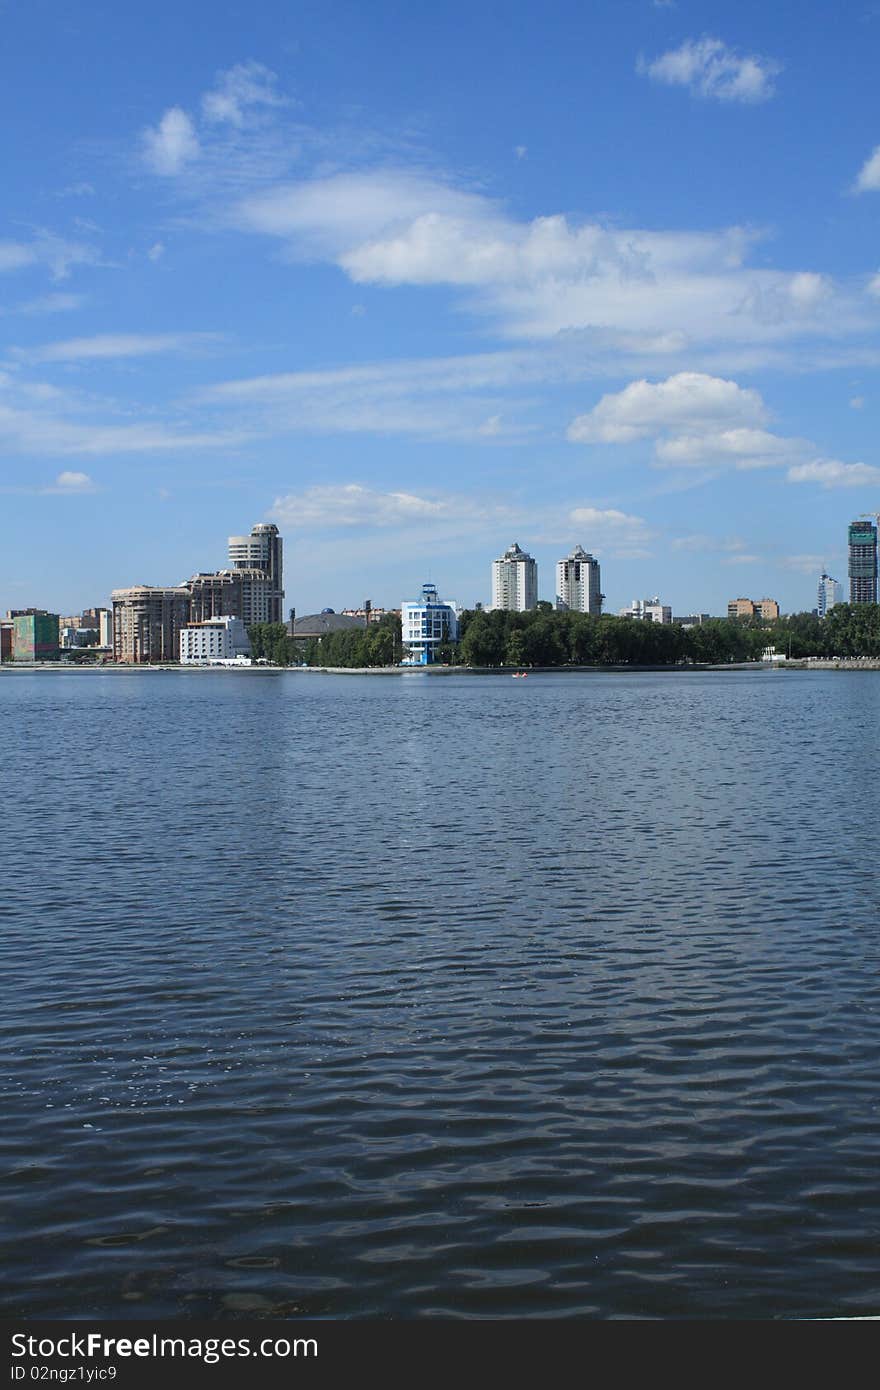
(415,281)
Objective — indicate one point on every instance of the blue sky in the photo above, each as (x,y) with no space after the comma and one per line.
(415,281)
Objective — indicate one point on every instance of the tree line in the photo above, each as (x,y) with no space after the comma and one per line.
(549,637)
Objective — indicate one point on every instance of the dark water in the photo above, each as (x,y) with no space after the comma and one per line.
(372,996)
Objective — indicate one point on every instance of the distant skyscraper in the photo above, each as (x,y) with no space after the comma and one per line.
(862,562)
(578,585)
(262,550)
(829,594)
(514,580)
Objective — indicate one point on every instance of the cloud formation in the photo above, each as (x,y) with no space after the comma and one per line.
(833,473)
(350,504)
(631,289)
(171,145)
(868,178)
(238,90)
(56,253)
(114,346)
(710,69)
(686,401)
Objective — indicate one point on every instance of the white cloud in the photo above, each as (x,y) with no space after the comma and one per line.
(709,68)
(334,216)
(832,473)
(73,482)
(868,179)
(239,89)
(632,289)
(54,252)
(686,401)
(857,403)
(521,151)
(874,286)
(749,448)
(112,346)
(609,531)
(156,251)
(57,303)
(450,398)
(351,504)
(173,144)
(44,432)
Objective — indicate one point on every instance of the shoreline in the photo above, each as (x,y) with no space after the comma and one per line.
(804,664)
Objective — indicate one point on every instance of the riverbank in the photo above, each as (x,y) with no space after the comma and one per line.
(863,663)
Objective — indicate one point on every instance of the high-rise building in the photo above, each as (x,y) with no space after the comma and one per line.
(862,562)
(514,580)
(262,550)
(578,585)
(828,595)
(766,608)
(426,625)
(245,594)
(146,623)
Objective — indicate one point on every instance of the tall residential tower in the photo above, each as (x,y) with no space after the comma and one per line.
(578,585)
(514,580)
(262,550)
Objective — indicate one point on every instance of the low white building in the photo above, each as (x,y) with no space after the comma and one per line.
(215,641)
(649,610)
(426,625)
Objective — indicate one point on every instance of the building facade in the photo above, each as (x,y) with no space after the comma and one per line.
(828,595)
(514,581)
(766,608)
(35,636)
(648,610)
(578,583)
(425,625)
(147,622)
(862,562)
(222,639)
(246,594)
(262,550)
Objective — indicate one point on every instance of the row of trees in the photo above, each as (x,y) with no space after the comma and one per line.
(376,645)
(546,637)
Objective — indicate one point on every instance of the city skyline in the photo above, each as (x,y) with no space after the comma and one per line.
(572,278)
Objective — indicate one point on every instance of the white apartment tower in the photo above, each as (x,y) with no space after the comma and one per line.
(514,580)
(578,585)
(262,550)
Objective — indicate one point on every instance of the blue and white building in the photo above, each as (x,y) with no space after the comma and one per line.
(426,625)
(828,595)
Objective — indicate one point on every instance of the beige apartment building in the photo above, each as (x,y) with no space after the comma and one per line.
(753,608)
(246,594)
(147,622)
